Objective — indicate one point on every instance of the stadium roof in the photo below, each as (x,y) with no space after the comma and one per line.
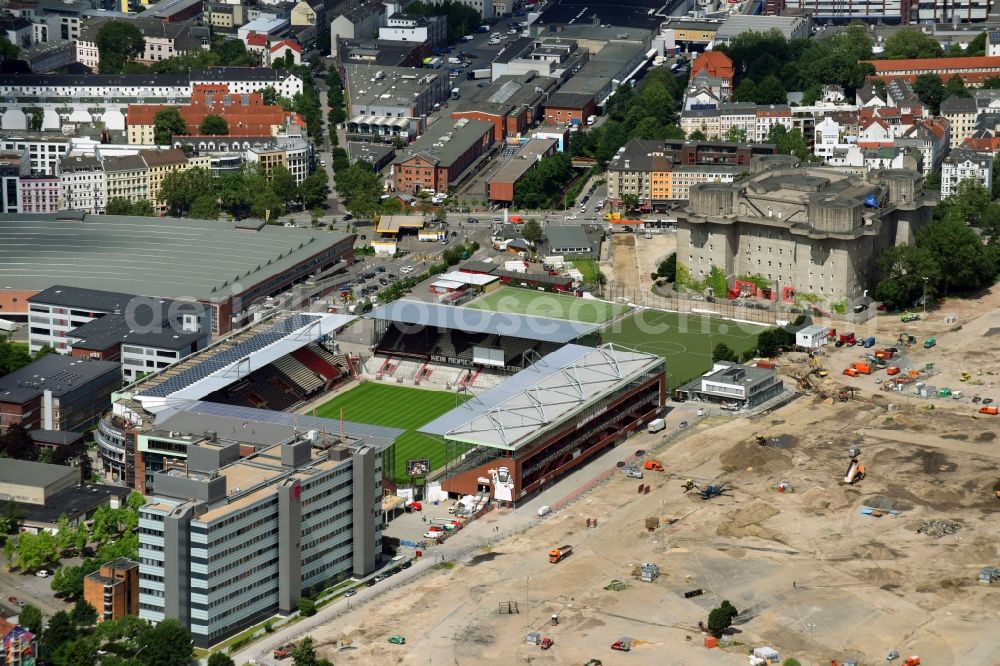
(474,320)
(263,426)
(149,256)
(547,393)
(233,358)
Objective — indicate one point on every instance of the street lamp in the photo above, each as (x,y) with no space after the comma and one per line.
(527,599)
(925,296)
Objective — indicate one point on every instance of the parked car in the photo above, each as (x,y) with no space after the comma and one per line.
(350,593)
(397,640)
(43,573)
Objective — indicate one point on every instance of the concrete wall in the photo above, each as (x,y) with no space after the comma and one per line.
(289,545)
(366,510)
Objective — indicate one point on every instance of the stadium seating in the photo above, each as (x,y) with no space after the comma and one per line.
(302,377)
(320,361)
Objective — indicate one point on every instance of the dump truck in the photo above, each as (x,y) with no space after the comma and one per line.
(892,370)
(653,465)
(863,368)
(851,372)
(559,554)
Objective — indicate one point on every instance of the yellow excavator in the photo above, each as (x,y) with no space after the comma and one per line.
(817,366)
(965,376)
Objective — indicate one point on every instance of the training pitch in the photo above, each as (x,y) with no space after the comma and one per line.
(543,304)
(397,407)
(685,340)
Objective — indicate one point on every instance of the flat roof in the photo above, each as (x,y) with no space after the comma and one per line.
(149,256)
(391,224)
(474,320)
(477,279)
(541,397)
(34,474)
(74,502)
(88,299)
(530,153)
(446,140)
(567,235)
(263,427)
(372,84)
(111,329)
(53,372)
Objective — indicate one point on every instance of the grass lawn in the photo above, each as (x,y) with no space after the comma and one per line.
(397,407)
(686,341)
(588,267)
(542,304)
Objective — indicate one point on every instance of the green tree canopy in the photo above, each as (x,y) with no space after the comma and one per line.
(167,123)
(315,189)
(118,42)
(122,206)
(35,551)
(58,632)
(83,615)
(233,53)
(30,617)
(307,607)
(911,43)
(723,352)
(532,231)
(166,644)
(930,90)
(214,126)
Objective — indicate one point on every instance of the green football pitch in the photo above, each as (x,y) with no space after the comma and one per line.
(397,407)
(544,304)
(685,340)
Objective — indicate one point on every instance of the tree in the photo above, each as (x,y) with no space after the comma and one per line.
(233,53)
(315,189)
(772,340)
(283,183)
(788,142)
(167,124)
(360,188)
(214,125)
(718,621)
(118,42)
(304,653)
(911,43)
(668,268)
(746,91)
(697,135)
(955,87)
(122,206)
(180,189)
(8,50)
(31,619)
(204,207)
(81,652)
(220,659)
(722,352)
(58,632)
(166,644)
(83,615)
(791,662)
(17,443)
(771,91)
(307,607)
(34,551)
(532,231)
(930,90)
(68,581)
(65,534)
(630,202)
(966,264)
(736,135)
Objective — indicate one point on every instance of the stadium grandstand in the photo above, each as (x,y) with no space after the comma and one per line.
(557,413)
(416,342)
(274,365)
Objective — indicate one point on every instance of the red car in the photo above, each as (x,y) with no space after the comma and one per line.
(415,506)
(546,643)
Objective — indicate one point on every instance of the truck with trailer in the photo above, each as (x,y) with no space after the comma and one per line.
(484,73)
(656,425)
(559,554)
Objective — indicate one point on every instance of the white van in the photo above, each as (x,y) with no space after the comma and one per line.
(656,425)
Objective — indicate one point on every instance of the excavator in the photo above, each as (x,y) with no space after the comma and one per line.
(856,468)
(817,366)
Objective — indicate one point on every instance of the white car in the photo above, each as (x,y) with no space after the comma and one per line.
(571,217)
(406,269)
(43,573)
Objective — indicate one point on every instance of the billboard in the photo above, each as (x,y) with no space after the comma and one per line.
(418,467)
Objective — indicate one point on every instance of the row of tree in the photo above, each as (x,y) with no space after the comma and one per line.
(543,185)
(462,19)
(958,253)
(251,191)
(120,44)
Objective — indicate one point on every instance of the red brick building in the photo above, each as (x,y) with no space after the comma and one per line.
(569,108)
(442,156)
(972,70)
(113,590)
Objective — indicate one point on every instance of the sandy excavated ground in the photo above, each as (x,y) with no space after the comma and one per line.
(817,579)
(635,257)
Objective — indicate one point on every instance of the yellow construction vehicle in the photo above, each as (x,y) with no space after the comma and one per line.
(817,366)
(965,376)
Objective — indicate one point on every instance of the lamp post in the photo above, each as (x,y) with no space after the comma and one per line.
(925,296)
(527,599)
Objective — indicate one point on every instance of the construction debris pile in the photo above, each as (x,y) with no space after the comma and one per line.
(938,528)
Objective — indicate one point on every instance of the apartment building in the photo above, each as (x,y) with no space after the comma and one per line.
(127,177)
(963,164)
(659,172)
(44,150)
(163,40)
(83,184)
(225,542)
(158,164)
(803,229)
(39,194)
(245,113)
(113,590)
(292,153)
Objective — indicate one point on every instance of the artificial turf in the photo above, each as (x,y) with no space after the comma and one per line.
(397,407)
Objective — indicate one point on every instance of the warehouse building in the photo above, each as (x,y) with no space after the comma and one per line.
(392,102)
(443,156)
(225,541)
(225,267)
(504,180)
(512,103)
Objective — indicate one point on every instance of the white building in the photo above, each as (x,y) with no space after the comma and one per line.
(69,99)
(163,40)
(963,164)
(83,184)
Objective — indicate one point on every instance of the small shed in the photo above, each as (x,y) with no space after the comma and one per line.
(650,572)
(989,575)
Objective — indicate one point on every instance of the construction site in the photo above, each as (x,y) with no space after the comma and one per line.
(851,524)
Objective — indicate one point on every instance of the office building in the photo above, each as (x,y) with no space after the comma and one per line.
(443,156)
(225,541)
